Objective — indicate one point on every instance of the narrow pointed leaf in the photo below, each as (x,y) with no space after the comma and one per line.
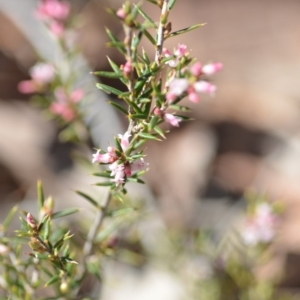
(102,174)
(185,30)
(148,136)
(52,280)
(108,89)
(171,4)
(159,131)
(135,180)
(138,116)
(65,212)
(9,218)
(149,37)
(107,183)
(88,198)
(146,16)
(119,107)
(40,194)
(107,74)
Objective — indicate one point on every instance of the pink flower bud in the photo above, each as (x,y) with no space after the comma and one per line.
(172,120)
(57,29)
(127,68)
(27,87)
(157,111)
(181,50)
(101,158)
(194,97)
(53,9)
(31,221)
(121,13)
(127,170)
(42,73)
(205,87)
(76,95)
(212,68)
(196,69)
(124,140)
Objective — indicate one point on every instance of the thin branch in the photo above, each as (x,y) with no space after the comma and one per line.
(160,32)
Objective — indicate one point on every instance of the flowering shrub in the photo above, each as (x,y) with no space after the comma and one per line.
(54,261)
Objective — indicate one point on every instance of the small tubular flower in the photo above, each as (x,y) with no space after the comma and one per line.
(172,120)
(210,69)
(53,9)
(124,140)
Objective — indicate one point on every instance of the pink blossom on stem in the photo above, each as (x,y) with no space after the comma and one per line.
(117,170)
(105,158)
(42,73)
(124,140)
(63,110)
(172,120)
(57,29)
(121,13)
(196,69)
(205,87)
(127,68)
(138,165)
(76,95)
(31,221)
(210,69)
(177,87)
(53,9)
(27,87)
(260,228)
(181,51)
(193,97)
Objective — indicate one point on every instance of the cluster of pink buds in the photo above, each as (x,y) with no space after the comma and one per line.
(42,74)
(192,84)
(127,68)
(119,169)
(64,104)
(261,226)
(178,53)
(54,13)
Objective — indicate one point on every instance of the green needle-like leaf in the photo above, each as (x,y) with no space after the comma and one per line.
(108,89)
(88,198)
(107,74)
(119,107)
(65,212)
(171,4)
(185,30)
(40,194)
(148,136)
(9,218)
(146,16)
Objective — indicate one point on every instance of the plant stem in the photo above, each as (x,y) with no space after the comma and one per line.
(160,31)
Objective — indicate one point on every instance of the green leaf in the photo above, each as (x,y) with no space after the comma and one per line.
(135,107)
(47,229)
(107,183)
(119,107)
(153,121)
(179,107)
(159,131)
(88,198)
(185,30)
(115,41)
(131,179)
(40,194)
(185,118)
(139,144)
(171,4)
(114,66)
(138,116)
(65,212)
(146,16)
(9,218)
(102,174)
(54,279)
(152,1)
(108,89)
(148,136)
(149,37)
(107,74)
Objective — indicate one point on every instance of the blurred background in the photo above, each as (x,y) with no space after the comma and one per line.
(247,137)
